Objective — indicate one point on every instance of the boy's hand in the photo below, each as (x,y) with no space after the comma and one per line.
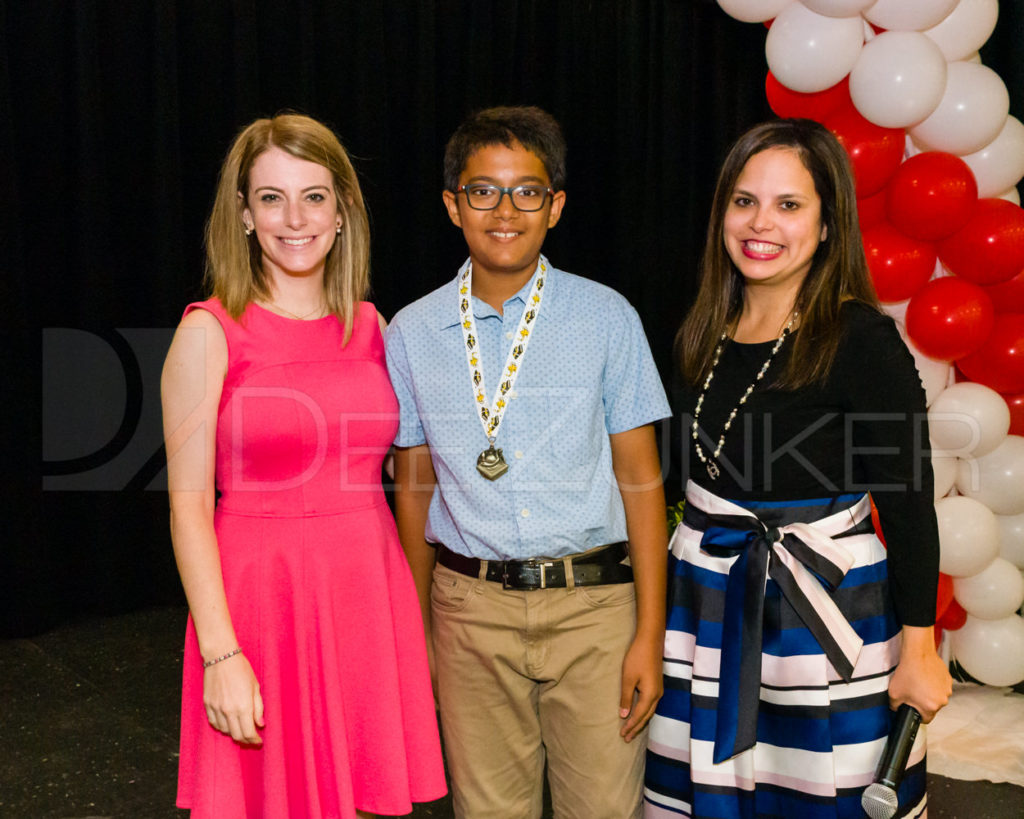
(642,685)
(638,472)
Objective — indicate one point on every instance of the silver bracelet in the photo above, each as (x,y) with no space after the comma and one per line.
(216,660)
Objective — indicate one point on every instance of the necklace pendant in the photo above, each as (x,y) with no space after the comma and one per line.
(491,463)
(713,470)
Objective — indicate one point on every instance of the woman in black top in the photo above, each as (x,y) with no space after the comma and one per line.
(792,631)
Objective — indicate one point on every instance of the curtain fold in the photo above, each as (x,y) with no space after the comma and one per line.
(114,118)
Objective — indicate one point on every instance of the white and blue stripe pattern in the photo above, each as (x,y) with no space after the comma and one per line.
(818,737)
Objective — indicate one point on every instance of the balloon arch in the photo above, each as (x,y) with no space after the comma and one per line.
(936,158)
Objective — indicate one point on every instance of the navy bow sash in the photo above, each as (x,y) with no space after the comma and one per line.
(806,563)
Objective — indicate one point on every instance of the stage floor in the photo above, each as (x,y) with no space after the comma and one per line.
(89,728)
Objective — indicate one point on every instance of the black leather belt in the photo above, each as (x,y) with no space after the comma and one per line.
(595,568)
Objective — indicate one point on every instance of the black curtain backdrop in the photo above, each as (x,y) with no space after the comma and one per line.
(114,118)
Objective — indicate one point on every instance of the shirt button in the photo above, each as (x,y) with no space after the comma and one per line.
(519,453)
(508,335)
(525,513)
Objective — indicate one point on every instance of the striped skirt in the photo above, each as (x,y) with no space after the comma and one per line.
(780,642)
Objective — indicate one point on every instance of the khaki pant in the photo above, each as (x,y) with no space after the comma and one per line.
(524,674)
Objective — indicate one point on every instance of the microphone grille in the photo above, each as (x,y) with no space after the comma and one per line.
(879,801)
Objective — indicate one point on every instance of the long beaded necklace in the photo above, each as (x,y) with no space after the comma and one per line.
(709,463)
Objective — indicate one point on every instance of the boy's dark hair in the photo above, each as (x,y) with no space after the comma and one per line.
(534,129)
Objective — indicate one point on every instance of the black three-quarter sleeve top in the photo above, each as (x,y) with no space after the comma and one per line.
(863,429)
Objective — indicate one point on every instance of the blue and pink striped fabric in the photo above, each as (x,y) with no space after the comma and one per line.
(817,736)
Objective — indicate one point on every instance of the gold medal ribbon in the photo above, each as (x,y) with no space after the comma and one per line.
(491,416)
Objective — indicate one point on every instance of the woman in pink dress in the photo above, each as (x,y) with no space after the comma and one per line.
(306,691)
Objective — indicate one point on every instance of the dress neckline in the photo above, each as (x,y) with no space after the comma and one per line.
(289,319)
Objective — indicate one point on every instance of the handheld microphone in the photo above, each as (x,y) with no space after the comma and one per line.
(879,799)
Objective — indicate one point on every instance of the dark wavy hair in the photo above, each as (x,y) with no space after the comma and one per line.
(533,128)
(839,270)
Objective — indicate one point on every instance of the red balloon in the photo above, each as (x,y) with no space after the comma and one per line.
(1008,297)
(877,521)
(949,318)
(871,210)
(932,195)
(817,106)
(875,152)
(989,248)
(899,265)
(1016,405)
(944,596)
(999,362)
(954,617)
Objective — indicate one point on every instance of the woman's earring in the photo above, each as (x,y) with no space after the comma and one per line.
(248,230)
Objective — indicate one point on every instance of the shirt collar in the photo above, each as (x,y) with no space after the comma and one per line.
(450,313)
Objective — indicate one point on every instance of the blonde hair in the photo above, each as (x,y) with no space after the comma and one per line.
(234,270)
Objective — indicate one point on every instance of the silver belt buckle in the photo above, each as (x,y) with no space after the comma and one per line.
(531,563)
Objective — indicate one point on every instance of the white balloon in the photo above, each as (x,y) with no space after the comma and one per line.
(991,651)
(838,8)
(909,15)
(1011,538)
(971,114)
(809,52)
(968,419)
(1011,195)
(995,479)
(965,29)
(933,372)
(898,310)
(1000,164)
(911,148)
(993,593)
(968,536)
(753,11)
(898,79)
(944,470)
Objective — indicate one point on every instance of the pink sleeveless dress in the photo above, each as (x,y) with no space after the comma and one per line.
(319,591)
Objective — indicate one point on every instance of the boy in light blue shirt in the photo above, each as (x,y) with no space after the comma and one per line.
(528,494)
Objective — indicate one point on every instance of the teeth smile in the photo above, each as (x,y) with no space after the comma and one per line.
(502,235)
(763,247)
(298,242)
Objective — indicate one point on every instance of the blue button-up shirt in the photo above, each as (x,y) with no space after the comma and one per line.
(587,373)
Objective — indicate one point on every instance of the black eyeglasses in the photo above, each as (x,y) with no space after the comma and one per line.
(481,196)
